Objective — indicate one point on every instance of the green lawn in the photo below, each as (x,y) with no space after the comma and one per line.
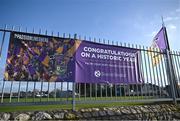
(69,106)
(59,106)
(30,99)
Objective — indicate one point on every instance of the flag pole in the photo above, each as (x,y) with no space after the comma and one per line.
(162,21)
(169,65)
(165,34)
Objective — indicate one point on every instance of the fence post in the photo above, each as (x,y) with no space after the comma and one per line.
(73,100)
(3,38)
(171,76)
(2,95)
(74,86)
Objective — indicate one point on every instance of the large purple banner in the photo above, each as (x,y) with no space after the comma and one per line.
(42,58)
(100,63)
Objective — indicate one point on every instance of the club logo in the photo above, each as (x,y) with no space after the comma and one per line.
(97,73)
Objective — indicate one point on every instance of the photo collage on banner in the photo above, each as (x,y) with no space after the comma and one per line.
(39,58)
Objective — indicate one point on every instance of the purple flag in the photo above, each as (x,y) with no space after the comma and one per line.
(159,40)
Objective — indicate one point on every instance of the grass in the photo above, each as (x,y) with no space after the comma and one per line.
(27,107)
(30,99)
(59,106)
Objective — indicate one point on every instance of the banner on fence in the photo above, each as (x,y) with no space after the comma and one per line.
(39,58)
(100,63)
(42,58)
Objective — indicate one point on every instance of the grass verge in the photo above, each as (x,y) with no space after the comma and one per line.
(60,106)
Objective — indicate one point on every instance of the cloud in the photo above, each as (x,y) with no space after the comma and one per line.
(173,36)
(171,18)
(178,10)
(168,19)
(152,34)
(173,15)
(171,27)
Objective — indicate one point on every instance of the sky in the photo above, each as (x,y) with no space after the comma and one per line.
(131,21)
(125,21)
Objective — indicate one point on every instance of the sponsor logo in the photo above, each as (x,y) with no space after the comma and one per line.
(97,73)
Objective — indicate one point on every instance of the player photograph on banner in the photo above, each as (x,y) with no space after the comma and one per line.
(39,58)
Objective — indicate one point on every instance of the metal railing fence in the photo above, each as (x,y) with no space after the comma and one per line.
(161,82)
